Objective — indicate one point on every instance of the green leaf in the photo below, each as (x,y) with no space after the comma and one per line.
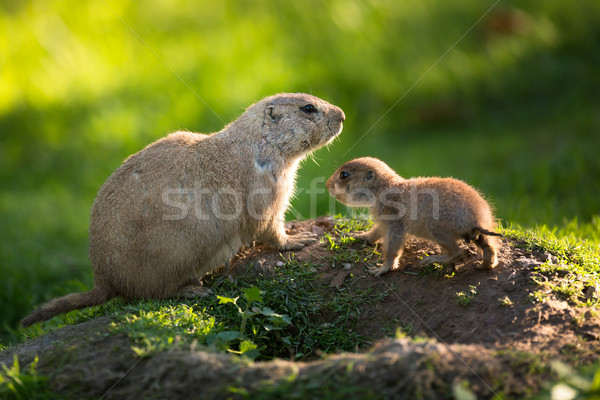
(267,312)
(246,346)
(274,317)
(253,294)
(222,339)
(249,349)
(225,300)
(281,319)
(229,335)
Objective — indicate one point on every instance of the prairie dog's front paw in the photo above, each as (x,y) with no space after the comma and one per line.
(363,236)
(296,242)
(378,271)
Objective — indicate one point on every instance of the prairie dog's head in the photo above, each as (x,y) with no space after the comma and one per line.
(357,183)
(298,123)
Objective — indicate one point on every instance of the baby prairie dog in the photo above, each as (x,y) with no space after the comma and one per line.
(185,204)
(443,210)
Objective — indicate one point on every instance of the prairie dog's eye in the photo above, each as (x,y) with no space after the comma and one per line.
(344,175)
(309,108)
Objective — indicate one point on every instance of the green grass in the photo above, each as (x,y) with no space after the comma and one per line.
(513,112)
(340,241)
(258,317)
(575,267)
(158,326)
(17,383)
(349,304)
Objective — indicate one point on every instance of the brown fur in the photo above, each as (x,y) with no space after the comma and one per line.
(440,209)
(185,204)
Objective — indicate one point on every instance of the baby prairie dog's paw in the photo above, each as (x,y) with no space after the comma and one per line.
(298,241)
(378,269)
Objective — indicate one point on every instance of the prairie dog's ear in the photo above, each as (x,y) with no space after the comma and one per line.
(271,114)
(369,175)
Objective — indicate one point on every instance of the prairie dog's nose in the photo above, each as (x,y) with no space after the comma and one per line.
(329,183)
(342,115)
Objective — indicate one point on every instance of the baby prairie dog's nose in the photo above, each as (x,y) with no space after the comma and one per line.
(329,183)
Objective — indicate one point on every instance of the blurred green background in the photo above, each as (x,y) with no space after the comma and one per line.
(503,95)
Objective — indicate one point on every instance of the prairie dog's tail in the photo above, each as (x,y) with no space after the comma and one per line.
(486,232)
(477,231)
(68,303)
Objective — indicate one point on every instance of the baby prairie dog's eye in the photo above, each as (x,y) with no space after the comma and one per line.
(309,108)
(344,175)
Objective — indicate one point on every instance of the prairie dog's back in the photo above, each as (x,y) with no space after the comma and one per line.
(449,201)
(168,191)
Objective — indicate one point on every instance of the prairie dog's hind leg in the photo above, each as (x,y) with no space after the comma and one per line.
(452,250)
(489,250)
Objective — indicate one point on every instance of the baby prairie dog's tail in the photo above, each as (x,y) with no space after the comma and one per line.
(68,303)
(486,232)
(478,231)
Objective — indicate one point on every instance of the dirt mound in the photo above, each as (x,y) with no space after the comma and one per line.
(496,308)
(491,331)
(86,361)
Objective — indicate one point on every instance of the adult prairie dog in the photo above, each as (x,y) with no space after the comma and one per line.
(443,210)
(185,204)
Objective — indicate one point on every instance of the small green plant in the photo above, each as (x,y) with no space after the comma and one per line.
(465,298)
(539,296)
(252,294)
(435,270)
(505,301)
(247,348)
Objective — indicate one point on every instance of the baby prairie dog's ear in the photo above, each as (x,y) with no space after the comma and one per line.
(271,114)
(369,175)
